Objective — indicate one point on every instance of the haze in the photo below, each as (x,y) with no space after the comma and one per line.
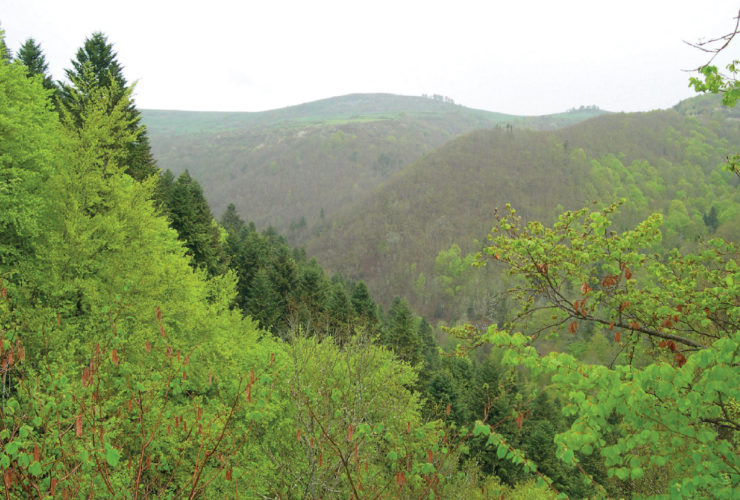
(526,58)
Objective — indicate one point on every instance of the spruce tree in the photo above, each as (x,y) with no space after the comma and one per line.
(191,217)
(231,221)
(401,334)
(96,66)
(32,57)
(339,309)
(363,305)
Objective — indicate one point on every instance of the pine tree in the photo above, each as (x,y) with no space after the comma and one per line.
(33,59)
(363,305)
(95,67)
(230,220)
(339,309)
(401,334)
(191,217)
(264,303)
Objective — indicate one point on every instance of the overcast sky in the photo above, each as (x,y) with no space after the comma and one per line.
(522,57)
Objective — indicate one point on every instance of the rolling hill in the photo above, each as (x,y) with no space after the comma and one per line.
(295,166)
(399,238)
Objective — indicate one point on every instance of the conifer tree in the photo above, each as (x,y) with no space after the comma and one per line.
(191,217)
(264,302)
(5,54)
(32,57)
(339,308)
(401,334)
(230,220)
(363,305)
(96,66)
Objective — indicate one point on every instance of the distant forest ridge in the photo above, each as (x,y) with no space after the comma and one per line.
(289,167)
(346,108)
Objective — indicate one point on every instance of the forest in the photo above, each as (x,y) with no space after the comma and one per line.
(427,342)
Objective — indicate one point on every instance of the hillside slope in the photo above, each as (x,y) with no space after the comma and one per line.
(287,166)
(661,161)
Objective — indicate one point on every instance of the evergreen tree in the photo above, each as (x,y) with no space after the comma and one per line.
(429,348)
(33,59)
(339,309)
(5,54)
(264,303)
(191,217)
(364,306)
(230,220)
(95,67)
(311,293)
(401,334)
(711,220)
(245,253)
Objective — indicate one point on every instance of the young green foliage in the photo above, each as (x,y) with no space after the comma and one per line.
(673,417)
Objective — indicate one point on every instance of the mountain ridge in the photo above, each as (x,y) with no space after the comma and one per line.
(332,108)
(287,167)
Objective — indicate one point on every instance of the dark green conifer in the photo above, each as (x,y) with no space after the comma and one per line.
(231,221)
(263,303)
(339,310)
(401,334)
(363,305)
(32,57)
(191,217)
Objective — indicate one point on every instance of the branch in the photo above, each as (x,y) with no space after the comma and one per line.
(703,46)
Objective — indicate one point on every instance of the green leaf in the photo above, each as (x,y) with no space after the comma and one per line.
(481,429)
(35,469)
(112,455)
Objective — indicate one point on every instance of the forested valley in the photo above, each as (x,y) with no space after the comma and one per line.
(393,297)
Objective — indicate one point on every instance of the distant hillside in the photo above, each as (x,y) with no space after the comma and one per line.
(350,107)
(289,166)
(398,239)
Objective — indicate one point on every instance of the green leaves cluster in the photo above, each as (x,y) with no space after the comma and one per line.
(664,414)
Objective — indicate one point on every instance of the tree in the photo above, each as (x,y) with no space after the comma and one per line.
(92,369)
(190,215)
(665,412)
(33,59)
(401,332)
(30,134)
(712,80)
(363,304)
(5,53)
(96,66)
(230,220)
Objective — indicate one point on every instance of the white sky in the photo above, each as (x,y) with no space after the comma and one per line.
(522,57)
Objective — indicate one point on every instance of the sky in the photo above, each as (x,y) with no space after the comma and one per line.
(521,57)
